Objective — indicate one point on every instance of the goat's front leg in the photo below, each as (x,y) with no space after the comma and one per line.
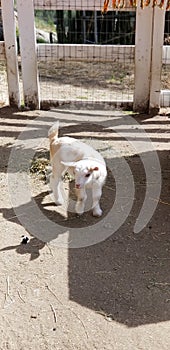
(96,195)
(81,199)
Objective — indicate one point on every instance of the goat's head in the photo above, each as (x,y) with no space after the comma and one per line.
(83,172)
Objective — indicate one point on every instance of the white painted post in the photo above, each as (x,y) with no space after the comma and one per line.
(143,48)
(156,64)
(9,29)
(28,53)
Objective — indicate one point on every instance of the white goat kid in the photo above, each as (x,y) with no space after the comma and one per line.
(87,165)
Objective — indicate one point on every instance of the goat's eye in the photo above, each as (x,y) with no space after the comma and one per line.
(87,175)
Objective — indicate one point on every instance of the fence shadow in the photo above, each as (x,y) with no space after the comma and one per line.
(126,278)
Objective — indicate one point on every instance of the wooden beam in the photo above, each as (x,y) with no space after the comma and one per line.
(143,50)
(93,5)
(9,30)
(156,62)
(109,53)
(28,53)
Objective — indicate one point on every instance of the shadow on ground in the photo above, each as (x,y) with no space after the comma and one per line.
(126,277)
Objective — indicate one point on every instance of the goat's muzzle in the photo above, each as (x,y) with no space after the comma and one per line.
(77,186)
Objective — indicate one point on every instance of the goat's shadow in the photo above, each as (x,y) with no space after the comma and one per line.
(45,223)
(32,248)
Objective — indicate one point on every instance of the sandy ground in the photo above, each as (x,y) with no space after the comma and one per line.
(114,293)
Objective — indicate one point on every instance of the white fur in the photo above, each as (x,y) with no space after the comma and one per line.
(87,165)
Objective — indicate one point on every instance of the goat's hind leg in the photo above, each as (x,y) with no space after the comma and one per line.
(56,183)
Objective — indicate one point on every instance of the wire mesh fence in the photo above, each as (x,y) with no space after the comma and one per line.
(94,59)
(86,81)
(84,55)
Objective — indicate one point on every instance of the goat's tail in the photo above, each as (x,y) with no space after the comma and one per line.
(53,131)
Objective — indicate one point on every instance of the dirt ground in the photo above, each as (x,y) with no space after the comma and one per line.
(85,81)
(62,292)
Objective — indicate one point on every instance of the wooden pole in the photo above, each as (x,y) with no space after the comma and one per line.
(143,51)
(156,62)
(9,30)
(28,51)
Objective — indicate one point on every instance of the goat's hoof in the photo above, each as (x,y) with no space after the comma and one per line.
(79,210)
(79,213)
(59,202)
(97,213)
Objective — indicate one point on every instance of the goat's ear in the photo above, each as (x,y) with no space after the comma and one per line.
(69,164)
(94,169)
